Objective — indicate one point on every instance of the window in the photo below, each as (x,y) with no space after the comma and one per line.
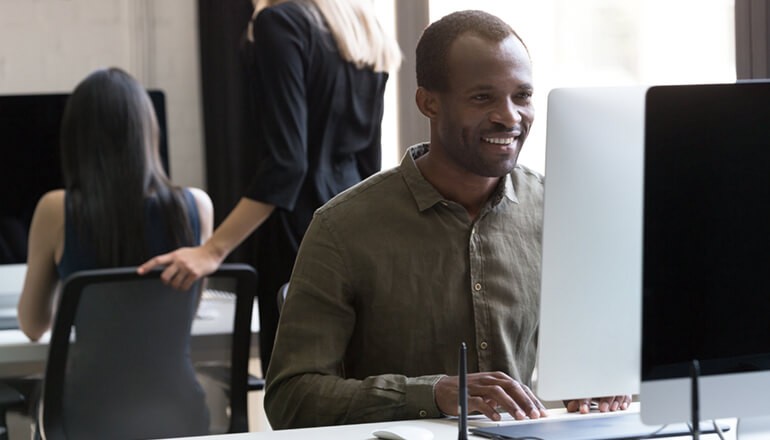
(390,143)
(598,42)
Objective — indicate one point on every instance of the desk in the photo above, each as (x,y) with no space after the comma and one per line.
(212,330)
(443,429)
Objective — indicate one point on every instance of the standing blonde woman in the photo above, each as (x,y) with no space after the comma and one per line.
(318,70)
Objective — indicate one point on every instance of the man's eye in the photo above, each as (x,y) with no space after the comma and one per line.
(482,97)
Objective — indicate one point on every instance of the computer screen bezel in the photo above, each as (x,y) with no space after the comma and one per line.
(710,116)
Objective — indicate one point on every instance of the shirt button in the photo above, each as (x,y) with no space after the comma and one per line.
(477,287)
(423,413)
(483,345)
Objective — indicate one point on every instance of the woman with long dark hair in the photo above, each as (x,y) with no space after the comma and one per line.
(118,207)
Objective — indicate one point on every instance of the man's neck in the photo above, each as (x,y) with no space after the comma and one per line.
(456,184)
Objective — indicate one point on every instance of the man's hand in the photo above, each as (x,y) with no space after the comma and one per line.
(611,403)
(487,392)
(184,266)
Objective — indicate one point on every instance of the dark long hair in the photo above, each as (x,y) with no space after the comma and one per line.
(111,165)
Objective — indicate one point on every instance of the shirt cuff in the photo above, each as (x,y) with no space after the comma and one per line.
(420,398)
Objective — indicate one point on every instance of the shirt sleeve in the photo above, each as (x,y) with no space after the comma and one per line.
(305,382)
(278,91)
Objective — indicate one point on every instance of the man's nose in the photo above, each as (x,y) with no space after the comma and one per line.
(506,114)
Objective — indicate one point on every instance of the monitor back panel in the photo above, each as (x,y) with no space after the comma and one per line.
(591,280)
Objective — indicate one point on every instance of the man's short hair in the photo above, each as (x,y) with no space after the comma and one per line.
(436,39)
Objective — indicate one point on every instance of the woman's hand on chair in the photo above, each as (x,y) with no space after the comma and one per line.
(184,266)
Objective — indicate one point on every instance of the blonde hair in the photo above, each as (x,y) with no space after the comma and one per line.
(354,26)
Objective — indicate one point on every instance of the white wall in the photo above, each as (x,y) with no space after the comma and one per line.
(50,45)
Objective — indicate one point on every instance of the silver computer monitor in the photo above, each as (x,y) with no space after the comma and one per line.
(706,238)
(589,340)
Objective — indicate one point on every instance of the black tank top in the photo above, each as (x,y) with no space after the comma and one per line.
(77,256)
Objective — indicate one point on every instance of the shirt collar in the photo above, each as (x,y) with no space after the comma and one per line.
(508,189)
(423,192)
(427,196)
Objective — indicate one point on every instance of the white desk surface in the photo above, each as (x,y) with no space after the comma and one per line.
(211,331)
(443,429)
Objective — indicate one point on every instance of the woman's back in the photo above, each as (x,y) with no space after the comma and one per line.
(77,254)
(320,134)
(111,168)
(117,209)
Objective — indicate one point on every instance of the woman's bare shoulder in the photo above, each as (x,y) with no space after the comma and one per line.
(201,197)
(51,203)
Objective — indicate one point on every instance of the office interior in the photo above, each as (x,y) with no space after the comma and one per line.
(50,45)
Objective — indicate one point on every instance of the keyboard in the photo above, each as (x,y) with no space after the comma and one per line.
(218,295)
(608,426)
(215,303)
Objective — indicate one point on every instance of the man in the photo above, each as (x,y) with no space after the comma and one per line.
(396,272)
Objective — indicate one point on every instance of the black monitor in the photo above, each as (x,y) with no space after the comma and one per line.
(706,252)
(30,162)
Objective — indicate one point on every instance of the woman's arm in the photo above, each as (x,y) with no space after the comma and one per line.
(185,265)
(46,244)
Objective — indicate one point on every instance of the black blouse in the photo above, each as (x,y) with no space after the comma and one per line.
(317,116)
(317,126)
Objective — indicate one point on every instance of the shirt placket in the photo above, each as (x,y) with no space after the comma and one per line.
(479,296)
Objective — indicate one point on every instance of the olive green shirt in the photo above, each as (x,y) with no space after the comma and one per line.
(389,280)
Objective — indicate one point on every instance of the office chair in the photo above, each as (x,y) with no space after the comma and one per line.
(119,361)
(258,383)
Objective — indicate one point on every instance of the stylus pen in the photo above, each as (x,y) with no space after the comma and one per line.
(694,402)
(462,373)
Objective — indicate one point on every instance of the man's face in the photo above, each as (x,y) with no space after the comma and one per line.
(486,113)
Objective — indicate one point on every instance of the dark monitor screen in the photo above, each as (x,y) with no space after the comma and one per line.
(30,161)
(706,237)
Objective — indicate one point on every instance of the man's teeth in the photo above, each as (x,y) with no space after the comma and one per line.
(499,141)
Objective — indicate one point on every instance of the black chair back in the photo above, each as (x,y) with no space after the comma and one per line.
(120,363)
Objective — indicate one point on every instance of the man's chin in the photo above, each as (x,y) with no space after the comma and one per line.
(497,171)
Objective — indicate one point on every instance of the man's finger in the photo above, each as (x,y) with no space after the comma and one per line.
(480,404)
(539,409)
(579,405)
(526,400)
(510,397)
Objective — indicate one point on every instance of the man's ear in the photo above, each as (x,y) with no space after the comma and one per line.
(427,102)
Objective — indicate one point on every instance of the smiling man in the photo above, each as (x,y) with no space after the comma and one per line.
(396,272)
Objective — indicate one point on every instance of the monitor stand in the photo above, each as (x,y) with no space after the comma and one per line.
(753,428)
